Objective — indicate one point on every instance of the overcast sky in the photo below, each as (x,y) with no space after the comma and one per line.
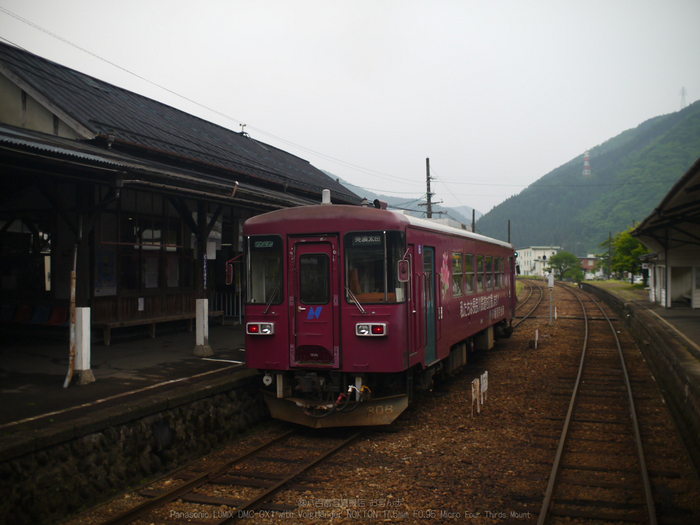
(496,93)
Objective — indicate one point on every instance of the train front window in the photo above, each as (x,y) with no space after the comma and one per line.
(314,278)
(265,255)
(371,267)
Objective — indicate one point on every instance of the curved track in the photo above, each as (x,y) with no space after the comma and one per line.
(532,301)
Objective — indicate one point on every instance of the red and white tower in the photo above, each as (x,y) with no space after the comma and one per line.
(587,164)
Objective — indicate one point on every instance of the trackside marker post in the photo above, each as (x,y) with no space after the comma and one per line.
(551,290)
(480,386)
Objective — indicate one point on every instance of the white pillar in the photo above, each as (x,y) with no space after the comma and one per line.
(202,348)
(82,346)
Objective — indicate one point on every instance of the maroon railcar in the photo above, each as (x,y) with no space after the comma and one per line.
(349,309)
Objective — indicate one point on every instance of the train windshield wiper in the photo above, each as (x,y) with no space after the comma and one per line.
(272,298)
(354,299)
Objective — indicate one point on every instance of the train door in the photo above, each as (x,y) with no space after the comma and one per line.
(414,294)
(429,309)
(314,302)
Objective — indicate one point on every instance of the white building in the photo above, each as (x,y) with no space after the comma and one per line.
(533,259)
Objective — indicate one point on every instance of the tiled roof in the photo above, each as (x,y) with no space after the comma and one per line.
(146,127)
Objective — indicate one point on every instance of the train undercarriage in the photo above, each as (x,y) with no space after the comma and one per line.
(327,398)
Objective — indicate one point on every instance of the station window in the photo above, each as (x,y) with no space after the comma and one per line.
(141,247)
(457,274)
(469,286)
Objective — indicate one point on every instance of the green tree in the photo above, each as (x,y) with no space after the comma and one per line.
(603,258)
(566,264)
(626,253)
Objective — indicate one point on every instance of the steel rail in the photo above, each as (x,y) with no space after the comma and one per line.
(534,308)
(529,285)
(544,510)
(255,502)
(649,500)
(152,504)
(648,496)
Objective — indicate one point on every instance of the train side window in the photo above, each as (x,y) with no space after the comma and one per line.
(469,273)
(496,273)
(457,273)
(480,278)
(489,272)
(503,271)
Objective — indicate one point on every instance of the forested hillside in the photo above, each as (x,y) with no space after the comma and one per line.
(630,174)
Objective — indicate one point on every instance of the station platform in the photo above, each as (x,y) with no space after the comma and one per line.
(33,371)
(681,321)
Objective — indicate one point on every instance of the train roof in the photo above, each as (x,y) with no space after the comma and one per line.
(432,225)
(298,220)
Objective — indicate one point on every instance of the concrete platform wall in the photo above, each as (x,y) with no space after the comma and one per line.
(49,474)
(675,369)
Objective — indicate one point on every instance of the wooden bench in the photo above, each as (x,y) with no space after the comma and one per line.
(107,326)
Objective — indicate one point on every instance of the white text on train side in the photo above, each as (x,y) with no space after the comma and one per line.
(477,304)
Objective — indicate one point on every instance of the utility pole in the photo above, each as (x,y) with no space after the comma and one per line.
(473,220)
(429,194)
(683,94)
(609,255)
(429,201)
(508,230)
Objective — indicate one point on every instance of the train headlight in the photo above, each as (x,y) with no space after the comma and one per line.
(370,329)
(260,328)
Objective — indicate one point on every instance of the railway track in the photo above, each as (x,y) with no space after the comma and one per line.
(440,464)
(600,471)
(238,487)
(533,301)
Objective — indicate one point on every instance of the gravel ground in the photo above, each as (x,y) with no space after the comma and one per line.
(439,462)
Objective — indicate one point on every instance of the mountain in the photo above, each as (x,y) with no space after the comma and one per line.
(461,214)
(630,174)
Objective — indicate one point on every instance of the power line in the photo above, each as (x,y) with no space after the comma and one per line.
(533,184)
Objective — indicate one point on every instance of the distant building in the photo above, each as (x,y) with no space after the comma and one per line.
(588,264)
(534,259)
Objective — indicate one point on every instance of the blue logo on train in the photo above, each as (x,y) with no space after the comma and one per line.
(314,314)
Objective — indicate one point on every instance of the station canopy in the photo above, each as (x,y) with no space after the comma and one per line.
(675,222)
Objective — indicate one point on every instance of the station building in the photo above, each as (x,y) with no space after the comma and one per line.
(131,207)
(672,232)
(533,259)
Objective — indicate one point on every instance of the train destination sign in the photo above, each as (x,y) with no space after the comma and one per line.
(367,240)
(264,244)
